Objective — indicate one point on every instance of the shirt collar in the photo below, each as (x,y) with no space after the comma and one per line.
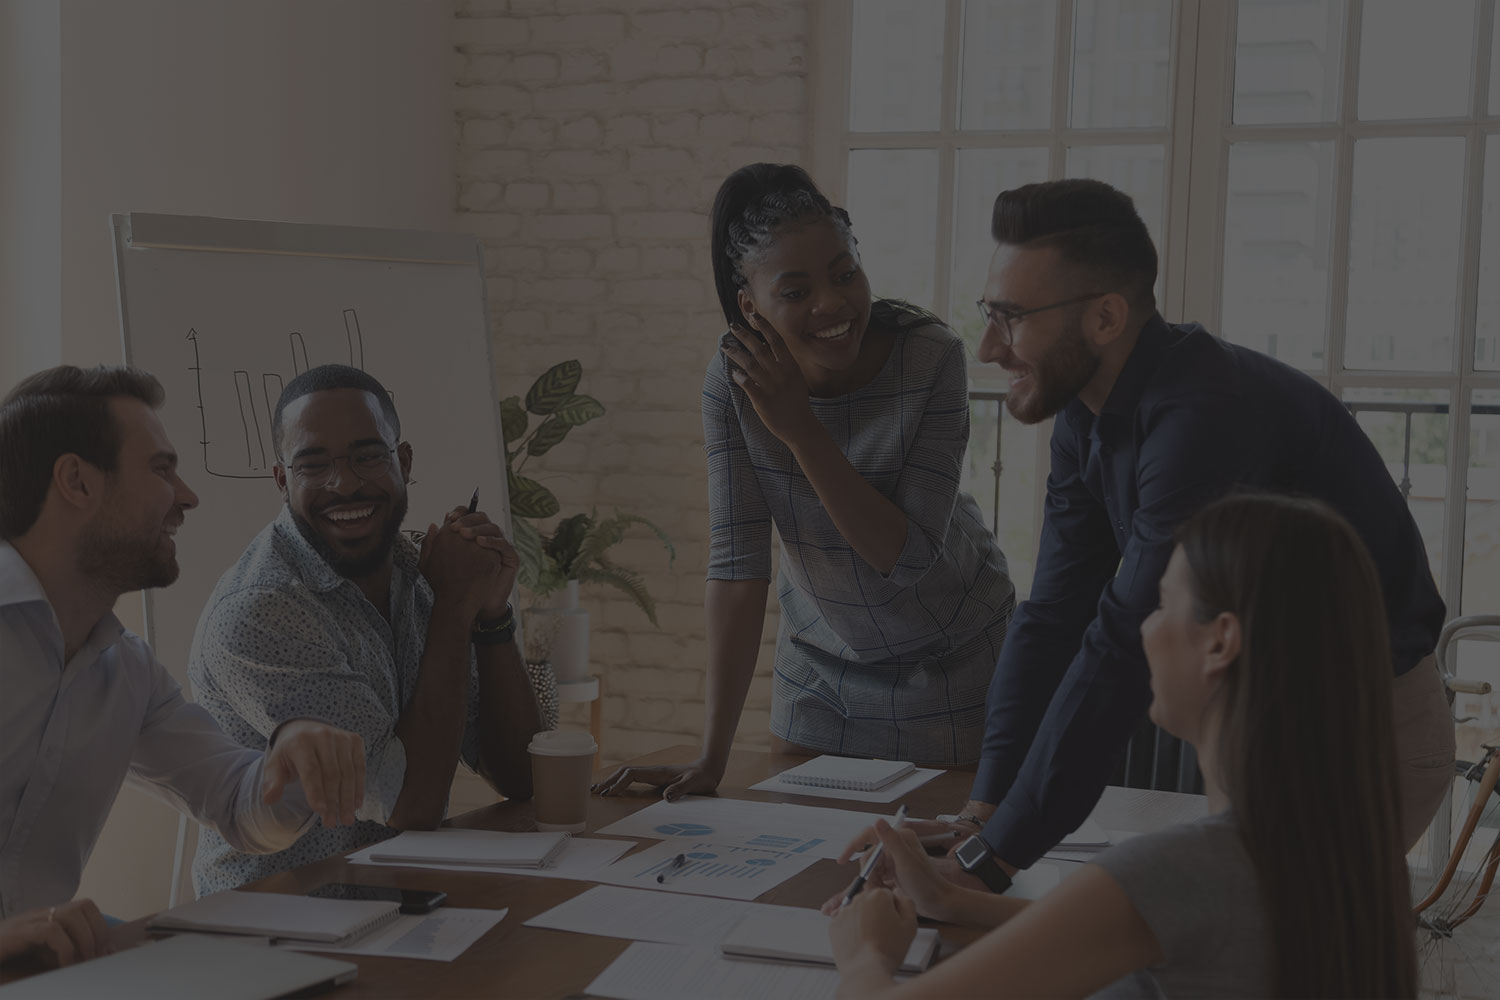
(1155,337)
(19,585)
(314,569)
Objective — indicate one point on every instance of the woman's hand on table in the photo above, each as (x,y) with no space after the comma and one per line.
(873,933)
(905,866)
(60,935)
(675,780)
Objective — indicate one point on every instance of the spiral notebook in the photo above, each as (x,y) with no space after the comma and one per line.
(852,773)
(275,915)
(796,935)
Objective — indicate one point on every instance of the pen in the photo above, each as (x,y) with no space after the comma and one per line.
(474,501)
(870,859)
(672,867)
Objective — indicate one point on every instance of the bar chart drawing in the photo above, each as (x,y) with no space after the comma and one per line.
(251,453)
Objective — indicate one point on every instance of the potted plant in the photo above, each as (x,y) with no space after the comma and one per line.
(576,550)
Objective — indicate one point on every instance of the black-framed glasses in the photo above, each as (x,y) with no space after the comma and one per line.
(316,471)
(1004,318)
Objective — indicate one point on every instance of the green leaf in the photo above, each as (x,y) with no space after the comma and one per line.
(553,387)
(513,419)
(528,543)
(549,434)
(611,531)
(623,580)
(529,498)
(579,409)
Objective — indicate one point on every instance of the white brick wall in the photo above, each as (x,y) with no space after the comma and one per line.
(592,137)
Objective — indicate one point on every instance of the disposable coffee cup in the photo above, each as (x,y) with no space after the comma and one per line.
(562,762)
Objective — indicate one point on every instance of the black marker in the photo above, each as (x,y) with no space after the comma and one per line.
(474,501)
(672,867)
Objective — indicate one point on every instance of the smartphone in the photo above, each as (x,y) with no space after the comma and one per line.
(411,900)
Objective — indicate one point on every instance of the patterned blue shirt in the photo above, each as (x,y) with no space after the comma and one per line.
(285,636)
(868,664)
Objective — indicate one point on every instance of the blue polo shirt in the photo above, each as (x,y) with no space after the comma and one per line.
(1190,418)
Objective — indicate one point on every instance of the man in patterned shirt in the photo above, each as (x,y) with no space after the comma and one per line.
(331,613)
(90,504)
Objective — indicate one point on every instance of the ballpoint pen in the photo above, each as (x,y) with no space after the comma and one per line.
(870,861)
(474,501)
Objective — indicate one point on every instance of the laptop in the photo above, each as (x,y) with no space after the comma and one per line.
(188,967)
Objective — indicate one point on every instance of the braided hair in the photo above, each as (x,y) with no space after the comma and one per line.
(752,204)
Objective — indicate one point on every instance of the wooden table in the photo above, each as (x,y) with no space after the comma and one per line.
(516,961)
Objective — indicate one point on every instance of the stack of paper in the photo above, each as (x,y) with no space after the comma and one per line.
(580,858)
(797,935)
(271,914)
(488,848)
(853,773)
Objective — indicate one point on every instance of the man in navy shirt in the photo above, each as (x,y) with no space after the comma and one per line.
(1153,421)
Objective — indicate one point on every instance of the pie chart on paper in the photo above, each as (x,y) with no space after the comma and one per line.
(684,830)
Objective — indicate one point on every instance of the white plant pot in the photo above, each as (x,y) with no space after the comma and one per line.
(569,652)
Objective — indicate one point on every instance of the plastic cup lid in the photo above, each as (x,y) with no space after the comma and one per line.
(562,743)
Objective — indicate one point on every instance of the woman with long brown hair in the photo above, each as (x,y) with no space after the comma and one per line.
(1269,652)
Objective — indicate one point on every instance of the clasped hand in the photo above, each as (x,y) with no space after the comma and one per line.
(469,561)
(771,378)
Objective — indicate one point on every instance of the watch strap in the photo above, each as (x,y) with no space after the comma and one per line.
(495,631)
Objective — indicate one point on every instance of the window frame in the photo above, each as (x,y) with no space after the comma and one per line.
(1197,139)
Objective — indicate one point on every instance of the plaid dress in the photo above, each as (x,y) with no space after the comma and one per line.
(894,666)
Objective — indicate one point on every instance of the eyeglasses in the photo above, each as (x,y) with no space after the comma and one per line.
(1005,318)
(316,471)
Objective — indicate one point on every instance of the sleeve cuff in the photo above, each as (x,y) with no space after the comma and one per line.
(384,776)
(1012,836)
(987,784)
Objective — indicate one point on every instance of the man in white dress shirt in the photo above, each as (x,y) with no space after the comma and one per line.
(90,502)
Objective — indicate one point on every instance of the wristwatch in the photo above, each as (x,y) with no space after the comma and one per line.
(974,857)
(495,631)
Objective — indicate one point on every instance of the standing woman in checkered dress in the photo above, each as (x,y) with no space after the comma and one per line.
(843,422)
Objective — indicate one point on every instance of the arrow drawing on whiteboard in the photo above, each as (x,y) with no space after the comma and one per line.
(255,399)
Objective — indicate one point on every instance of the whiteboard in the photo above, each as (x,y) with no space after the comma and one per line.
(225,312)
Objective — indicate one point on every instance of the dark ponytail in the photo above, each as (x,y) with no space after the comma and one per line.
(751,204)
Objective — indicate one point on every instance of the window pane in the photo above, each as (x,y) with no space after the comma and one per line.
(1122,57)
(1404,261)
(1006,81)
(1494,102)
(893,206)
(1415,59)
(1482,511)
(896,72)
(1287,65)
(1013,493)
(982,174)
(1278,225)
(1136,170)
(1487,319)
(1421,470)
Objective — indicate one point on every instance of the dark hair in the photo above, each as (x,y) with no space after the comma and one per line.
(752,203)
(1307,750)
(1094,228)
(326,377)
(57,412)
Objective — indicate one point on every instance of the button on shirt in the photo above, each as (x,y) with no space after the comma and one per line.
(72,733)
(285,636)
(1189,419)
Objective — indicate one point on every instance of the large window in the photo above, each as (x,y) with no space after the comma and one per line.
(1322,178)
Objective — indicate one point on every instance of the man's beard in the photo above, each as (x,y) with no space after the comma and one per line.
(1059,375)
(126,561)
(362,564)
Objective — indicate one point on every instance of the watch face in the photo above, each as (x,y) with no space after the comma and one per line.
(972,851)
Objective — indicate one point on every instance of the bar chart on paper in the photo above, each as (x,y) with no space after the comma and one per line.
(706,869)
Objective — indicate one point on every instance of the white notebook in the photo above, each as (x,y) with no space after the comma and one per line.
(802,936)
(188,967)
(470,847)
(275,915)
(853,773)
